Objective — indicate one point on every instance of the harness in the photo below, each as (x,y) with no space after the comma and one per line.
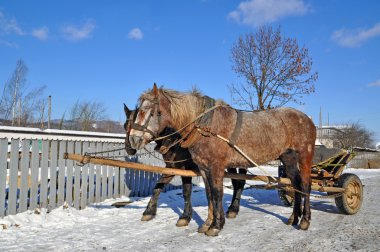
(199,130)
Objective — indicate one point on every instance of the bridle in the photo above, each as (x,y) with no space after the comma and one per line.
(144,127)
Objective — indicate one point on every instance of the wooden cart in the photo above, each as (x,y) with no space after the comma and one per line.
(326,177)
(328,174)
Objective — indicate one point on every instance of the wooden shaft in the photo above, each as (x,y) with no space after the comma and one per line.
(189,173)
(168,171)
(130,165)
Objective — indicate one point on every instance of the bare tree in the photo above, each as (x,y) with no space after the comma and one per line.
(17,102)
(84,115)
(275,70)
(12,91)
(353,135)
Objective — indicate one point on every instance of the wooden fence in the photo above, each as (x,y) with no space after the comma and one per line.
(33,173)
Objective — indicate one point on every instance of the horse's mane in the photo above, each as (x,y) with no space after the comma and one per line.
(184,106)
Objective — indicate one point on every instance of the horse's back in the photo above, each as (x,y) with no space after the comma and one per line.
(267,134)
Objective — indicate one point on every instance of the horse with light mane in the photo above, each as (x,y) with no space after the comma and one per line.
(177,157)
(283,133)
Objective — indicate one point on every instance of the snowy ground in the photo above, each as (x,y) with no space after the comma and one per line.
(259,225)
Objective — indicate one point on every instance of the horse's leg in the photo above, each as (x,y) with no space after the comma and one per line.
(187,210)
(206,225)
(238,186)
(216,186)
(151,208)
(305,172)
(290,159)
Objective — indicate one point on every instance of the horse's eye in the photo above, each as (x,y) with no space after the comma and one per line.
(159,113)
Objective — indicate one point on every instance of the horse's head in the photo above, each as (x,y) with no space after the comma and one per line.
(152,118)
(130,117)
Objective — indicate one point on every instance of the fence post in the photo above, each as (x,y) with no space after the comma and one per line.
(13,176)
(69,179)
(61,173)
(98,176)
(24,183)
(77,173)
(3,173)
(53,174)
(84,191)
(34,175)
(91,180)
(44,173)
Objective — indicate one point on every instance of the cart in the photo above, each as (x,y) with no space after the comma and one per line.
(328,174)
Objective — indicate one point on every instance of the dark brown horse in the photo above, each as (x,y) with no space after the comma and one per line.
(283,133)
(177,157)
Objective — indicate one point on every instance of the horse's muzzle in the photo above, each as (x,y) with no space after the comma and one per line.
(136,142)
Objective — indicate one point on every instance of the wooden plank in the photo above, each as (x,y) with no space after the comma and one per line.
(3,173)
(91,179)
(53,175)
(99,147)
(13,176)
(143,183)
(77,177)
(171,171)
(45,173)
(84,186)
(116,191)
(35,168)
(110,173)
(104,177)
(122,182)
(69,175)
(24,184)
(61,173)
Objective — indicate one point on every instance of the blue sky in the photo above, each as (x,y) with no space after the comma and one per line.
(111,51)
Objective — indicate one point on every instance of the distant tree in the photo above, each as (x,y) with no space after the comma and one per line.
(275,70)
(85,114)
(353,135)
(17,104)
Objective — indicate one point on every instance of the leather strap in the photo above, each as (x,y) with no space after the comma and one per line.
(237,129)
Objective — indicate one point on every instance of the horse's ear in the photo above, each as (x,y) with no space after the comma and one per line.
(155,90)
(126,110)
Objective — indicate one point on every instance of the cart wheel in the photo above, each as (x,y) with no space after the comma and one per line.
(287,198)
(351,201)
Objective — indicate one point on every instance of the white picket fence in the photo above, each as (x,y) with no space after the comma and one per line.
(34,174)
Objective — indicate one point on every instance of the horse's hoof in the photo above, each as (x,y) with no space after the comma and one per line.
(231,215)
(304,225)
(213,232)
(182,222)
(147,217)
(203,229)
(292,221)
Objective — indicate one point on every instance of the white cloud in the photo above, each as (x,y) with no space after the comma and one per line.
(7,43)
(259,12)
(374,84)
(75,33)
(9,25)
(135,34)
(41,33)
(355,37)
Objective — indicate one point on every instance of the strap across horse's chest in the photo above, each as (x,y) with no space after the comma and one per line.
(239,121)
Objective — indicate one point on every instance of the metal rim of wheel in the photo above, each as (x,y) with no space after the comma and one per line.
(351,201)
(353,195)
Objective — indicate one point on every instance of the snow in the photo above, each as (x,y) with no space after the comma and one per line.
(259,225)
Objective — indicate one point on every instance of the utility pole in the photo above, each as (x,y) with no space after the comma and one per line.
(49,112)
